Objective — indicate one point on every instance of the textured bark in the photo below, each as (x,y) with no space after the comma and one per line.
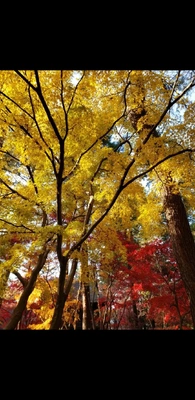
(182,241)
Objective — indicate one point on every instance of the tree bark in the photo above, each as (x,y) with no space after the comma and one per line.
(87,318)
(135,314)
(182,241)
(63,292)
(18,311)
(85,304)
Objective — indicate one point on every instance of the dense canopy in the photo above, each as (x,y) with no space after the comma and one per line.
(86,159)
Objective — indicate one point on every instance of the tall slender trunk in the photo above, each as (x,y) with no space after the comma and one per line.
(86,320)
(182,241)
(63,292)
(64,287)
(88,316)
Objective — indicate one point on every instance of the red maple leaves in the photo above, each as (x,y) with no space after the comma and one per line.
(148,292)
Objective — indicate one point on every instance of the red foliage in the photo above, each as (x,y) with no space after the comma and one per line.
(145,293)
(8,305)
(6,310)
(148,292)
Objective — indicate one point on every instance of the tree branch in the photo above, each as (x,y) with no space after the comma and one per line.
(156,165)
(32,178)
(74,92)
(23,280)
(168,107)
(16,226)
(63,105)
(13,190)
(16,104)
(116,195)
(46,108)
(25,80)
(100,138)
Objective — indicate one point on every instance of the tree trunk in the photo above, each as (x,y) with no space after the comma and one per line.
(64,287)
(18,311)
(182,241)
(85,304)
(135,314)
(63,292)
(87,319)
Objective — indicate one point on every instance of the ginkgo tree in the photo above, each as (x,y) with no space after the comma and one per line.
(60,184)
